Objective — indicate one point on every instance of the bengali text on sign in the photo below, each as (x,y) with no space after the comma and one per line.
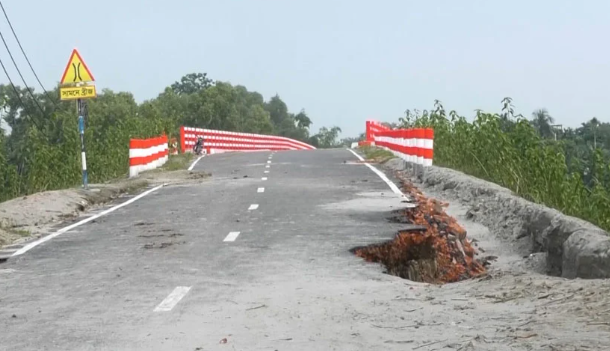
(72,93)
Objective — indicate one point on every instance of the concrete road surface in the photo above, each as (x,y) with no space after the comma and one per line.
(255,258)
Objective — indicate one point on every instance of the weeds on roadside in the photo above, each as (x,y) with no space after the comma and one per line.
(376,154)
(507,150)
(178,162)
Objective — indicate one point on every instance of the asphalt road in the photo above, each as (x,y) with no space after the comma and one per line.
(170,271)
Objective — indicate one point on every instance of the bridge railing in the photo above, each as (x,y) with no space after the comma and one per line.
(218,141)
(413,145)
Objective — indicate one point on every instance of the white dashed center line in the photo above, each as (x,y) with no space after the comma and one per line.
(269,162)
(264,178)
(266,171)
(232,236)
(253,207)
(172,299)
(267,166)
(260,190)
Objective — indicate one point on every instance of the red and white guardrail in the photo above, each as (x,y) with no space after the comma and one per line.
(414,145)
(147,154)
(218,141)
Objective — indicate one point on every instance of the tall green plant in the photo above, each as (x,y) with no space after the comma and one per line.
(510,151)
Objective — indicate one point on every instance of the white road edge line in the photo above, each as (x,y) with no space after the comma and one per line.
(253,207)
(264,178)
(260,190)
(33,244)
(380,174)
(172,299)
(232,236)
(194,163)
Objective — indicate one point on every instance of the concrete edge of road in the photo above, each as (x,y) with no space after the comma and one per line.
(30,245)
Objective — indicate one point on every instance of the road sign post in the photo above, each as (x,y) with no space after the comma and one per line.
(81,131)
(77,83)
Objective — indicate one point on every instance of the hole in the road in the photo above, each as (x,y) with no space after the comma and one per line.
(431,248)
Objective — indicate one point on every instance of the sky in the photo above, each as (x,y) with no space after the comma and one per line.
(342,61)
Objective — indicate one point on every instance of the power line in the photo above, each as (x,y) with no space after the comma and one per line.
(24,55)
(21,75)
(17,92)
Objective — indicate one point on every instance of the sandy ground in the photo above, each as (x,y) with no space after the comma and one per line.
(36,215)
(516,306)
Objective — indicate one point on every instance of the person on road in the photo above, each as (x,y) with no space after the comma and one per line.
(198,148)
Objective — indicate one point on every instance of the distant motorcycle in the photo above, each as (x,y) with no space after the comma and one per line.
(198,147)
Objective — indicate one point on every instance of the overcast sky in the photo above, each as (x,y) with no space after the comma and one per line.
(343,61)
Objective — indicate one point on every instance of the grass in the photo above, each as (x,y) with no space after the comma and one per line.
(376,154)
(178,162)
(12,230)
(21,232)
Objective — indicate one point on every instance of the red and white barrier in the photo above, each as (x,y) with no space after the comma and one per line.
(373,128)
(147,154)
(414,145)
(217,141)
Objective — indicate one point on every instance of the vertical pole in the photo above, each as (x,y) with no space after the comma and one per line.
(81,131)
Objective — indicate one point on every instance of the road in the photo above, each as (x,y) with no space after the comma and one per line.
(257,256)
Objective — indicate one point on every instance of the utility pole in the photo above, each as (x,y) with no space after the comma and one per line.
(553,126)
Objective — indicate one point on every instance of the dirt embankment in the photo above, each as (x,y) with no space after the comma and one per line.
(515,305)
(573,248)
(36,215)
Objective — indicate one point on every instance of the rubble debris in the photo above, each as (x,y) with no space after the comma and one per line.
(433,249)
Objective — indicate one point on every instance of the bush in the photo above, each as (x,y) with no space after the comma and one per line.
(510,152)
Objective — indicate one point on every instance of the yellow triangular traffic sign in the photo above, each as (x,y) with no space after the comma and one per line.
(76,71)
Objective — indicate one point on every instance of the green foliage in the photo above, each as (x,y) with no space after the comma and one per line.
(567,174)
(327,138)
(178,162)
(42,151)
(192,83)
(375,153)
(347,142)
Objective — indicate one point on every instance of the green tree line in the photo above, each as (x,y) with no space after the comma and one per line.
(564,168)
(42,151)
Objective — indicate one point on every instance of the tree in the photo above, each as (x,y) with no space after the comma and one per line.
(192,83)
(302,120)
(347,142)
(327,138)
(43,150)
(542,120)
